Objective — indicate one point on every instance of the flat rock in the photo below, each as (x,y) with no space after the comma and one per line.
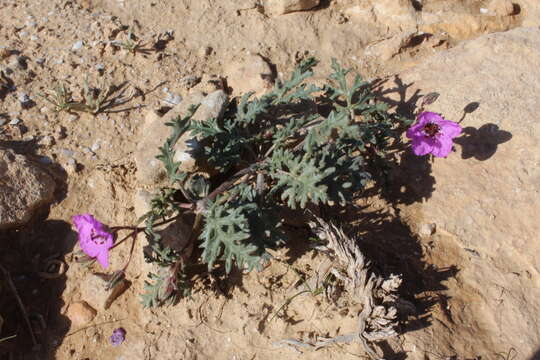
(485,197)
(251,73)
(154,132)
(80,313)
(280,7)
(24,187)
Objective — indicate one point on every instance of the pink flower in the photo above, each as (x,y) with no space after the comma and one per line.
(433,135)
(94,240)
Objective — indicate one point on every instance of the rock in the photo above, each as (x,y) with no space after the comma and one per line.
(24,188)
(389,16)
(486,199)
(71,166)
(46,141)
(386,49)
(175,234)
(93,291)
(462,26)
(500,7)
(280,7)
(4,53)
(80,313)
(150,170)
(427,230)
(190,81)
(252,73)
(78,45)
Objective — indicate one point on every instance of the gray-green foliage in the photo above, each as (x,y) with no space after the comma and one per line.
(298,144)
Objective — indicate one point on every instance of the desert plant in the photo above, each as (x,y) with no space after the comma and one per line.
(94,100)
(296,145)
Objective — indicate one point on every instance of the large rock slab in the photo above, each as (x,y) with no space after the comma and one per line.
(485,200)
(24,188)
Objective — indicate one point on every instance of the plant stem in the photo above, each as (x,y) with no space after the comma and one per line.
(136,230)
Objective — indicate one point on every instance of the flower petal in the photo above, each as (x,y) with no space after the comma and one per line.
(103,258)
(421,147)
(450,128)
(443,148)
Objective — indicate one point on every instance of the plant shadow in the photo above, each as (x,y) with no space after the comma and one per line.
(27,254)
(481,143)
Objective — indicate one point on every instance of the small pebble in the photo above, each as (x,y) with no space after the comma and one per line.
(67,152)
(47,140)
(173,99)
(40,61)
(45,160)
(95,147)
(71,166)
(34,38)
(24,99)
(72,117)
(78,45)
(2,122)
(190,81)
(14,121)
(483,11)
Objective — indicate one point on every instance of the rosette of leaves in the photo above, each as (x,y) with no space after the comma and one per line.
(296,145)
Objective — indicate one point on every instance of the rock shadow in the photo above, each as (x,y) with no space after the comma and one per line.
(32,255)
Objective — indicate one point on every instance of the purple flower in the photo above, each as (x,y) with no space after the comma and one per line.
(94,240)
(118,336)
(432,134)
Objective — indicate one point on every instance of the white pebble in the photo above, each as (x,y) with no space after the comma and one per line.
(14,121)
(95,147)
(483,11)
(78,45)
(24,98)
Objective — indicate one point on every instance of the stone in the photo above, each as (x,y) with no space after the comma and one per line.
(93,291)
(486,197)
(251,73)
(46,141)
(150,171)
(395,15)
(462,26)
(24,188)
(80,313)
(280,7)
(78,45)
(500,7)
